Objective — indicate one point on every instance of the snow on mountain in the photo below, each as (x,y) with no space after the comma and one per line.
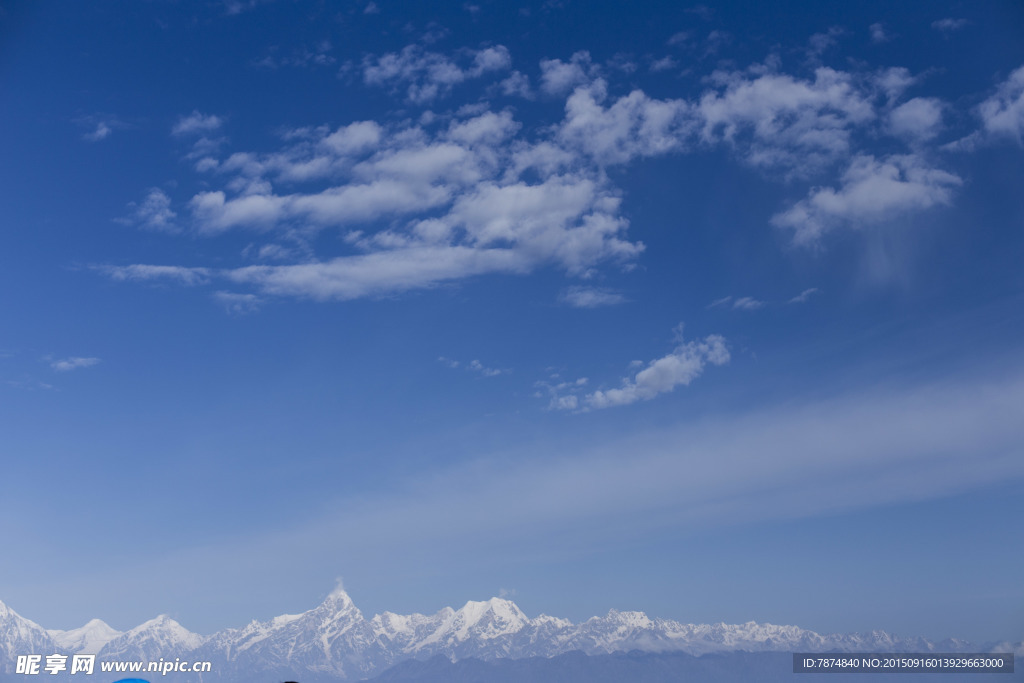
(86,639)
(149,641)
(19,636)
(334,641)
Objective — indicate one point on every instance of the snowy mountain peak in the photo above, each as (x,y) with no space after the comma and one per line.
(338,596)
(86,639)
(334,642)
(153,638)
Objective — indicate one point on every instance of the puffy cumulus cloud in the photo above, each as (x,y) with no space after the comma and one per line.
(429,75)
(558,77)
(354,139)
(678,368)
(196,123)
(779,122)
(462,199)
(631,126)
(917,119)
(517,85)
(73,363)
(878,33)
(894,81)
(871,191)
(152,213)
(590,297)
(445,196)
(1002,114)
(570,220)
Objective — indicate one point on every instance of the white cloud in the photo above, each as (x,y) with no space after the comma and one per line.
(819,43)
(680,367)
(430,75)
(447,196)
(473,366)
(354,139)
(478,367)
(517,85)
(154,213)
(790,460)
(778,122)
(949,25)
(664,64)
(632,126)
(100,132)
(879,34)
(872,191)
(383,272)
(73,363)
(233,7)
(747,303)
(917,119)
(558,77)
(144,273)
(743,303)
(317,55)
(238,303)
(803,296)
(590,297)
(563,395)
(196,123)
(894,81)
(1003,114)
(679,38)
(720,302)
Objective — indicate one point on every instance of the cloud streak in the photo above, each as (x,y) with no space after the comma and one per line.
(73,363)
(879,447)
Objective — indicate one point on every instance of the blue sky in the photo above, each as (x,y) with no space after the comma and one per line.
(713,312)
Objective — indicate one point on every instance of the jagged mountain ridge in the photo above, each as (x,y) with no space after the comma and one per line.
(334,641)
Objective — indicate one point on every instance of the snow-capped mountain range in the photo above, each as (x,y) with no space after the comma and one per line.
(334,641)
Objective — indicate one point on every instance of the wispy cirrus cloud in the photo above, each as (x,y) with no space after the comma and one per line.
(474,366)
(863,450)
(238,303)
(590,297)
(803,296)
(741,303)
(146,273)
(73,363)
(949,24)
